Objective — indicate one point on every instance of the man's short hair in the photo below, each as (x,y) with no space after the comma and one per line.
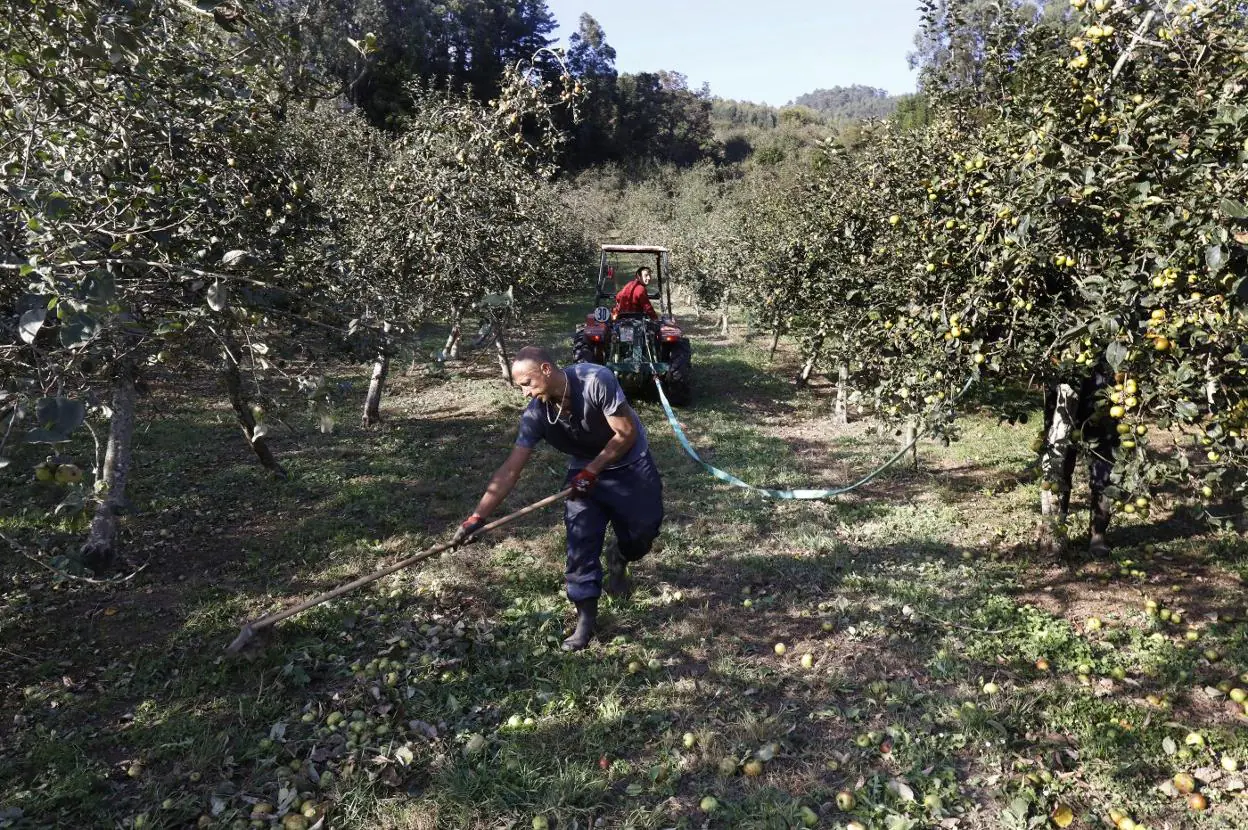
(535,354)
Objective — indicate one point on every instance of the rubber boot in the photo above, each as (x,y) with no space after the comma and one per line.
(586,618)
(617,584)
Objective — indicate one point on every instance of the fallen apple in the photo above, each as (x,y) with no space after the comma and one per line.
(68,474)
(845,801)
(688,739)
(808,660)
(809,817)
(780,649)
(709,804)
(1184,782)
(753,768)
(294,821)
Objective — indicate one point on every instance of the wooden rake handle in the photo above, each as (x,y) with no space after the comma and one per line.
(251,628)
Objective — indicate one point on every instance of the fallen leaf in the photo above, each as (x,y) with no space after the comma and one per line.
(901,789)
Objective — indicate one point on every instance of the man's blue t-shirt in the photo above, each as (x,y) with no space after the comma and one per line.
(582,430)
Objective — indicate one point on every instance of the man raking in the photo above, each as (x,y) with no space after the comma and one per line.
(581,411)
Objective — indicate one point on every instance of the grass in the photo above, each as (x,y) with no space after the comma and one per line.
(440,698)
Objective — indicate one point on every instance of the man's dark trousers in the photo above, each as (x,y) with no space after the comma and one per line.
(630,499)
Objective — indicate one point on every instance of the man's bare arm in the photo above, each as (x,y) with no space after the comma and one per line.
(503,480)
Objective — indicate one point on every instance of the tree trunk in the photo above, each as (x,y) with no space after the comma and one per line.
(232,378)
(1057,444)
(723,312)
(909,433)
(451,350)
(100,549)
(775,342)
(840,410)
(1051,535)
(500,351)
(381,368)
(803,377)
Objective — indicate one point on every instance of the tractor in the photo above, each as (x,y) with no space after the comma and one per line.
(630,343)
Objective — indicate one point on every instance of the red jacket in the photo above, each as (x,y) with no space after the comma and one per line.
(632,299)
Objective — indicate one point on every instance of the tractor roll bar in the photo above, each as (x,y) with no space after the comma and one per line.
(633,249)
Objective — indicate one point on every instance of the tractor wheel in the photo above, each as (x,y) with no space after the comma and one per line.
(582,352)
(679,381)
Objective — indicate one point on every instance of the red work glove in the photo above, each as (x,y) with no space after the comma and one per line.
(470,526)
(582,483)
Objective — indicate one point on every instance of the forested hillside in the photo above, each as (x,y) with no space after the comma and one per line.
(842,104)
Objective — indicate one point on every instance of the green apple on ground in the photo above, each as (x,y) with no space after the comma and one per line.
(1184,782)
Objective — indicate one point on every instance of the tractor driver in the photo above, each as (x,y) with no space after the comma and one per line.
(581,411)
(633,298)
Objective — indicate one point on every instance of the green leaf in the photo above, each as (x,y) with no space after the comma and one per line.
(1186,411)
(56,206)
(235,257)
(98,286)
(218,296)
(57,419)
(1115,354)
(30,323)
(1234,209)
(77,328)
(1215,258)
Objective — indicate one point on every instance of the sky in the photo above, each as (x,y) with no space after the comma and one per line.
(766,52)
